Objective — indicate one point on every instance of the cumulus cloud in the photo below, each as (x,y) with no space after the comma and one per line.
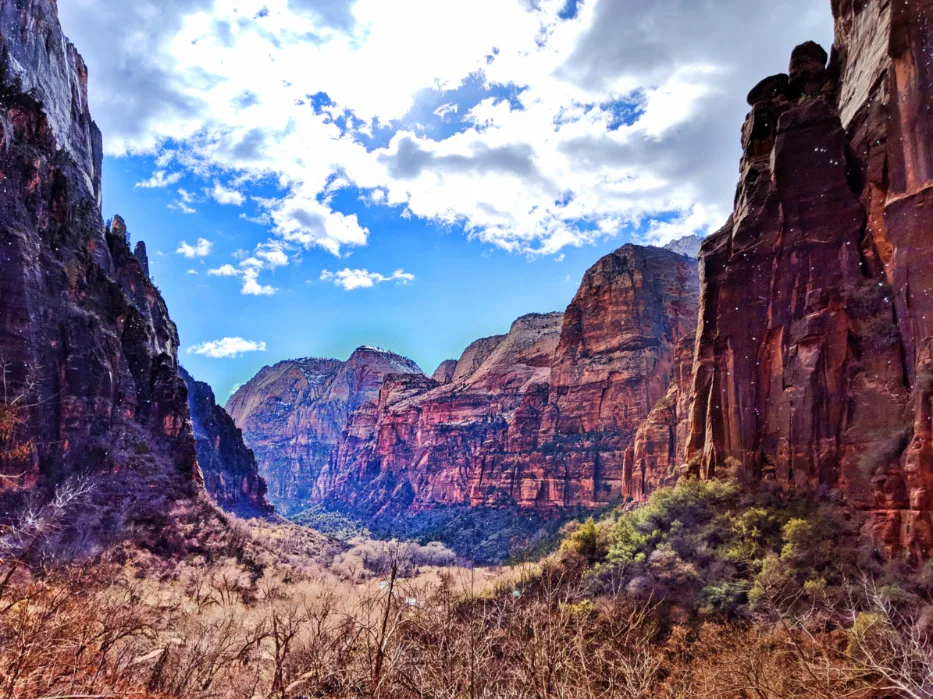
(446,110)
(351,279)
(622,118)
(201,249)
(224,195)
(266,257)
(227,348)
(159,179)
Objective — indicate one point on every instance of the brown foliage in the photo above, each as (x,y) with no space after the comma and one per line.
(222,629)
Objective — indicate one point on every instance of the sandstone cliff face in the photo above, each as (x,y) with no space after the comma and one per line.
(444,374)
(292,416)
(422,443)
(614,363)
(657,455)
(231,476)
(85,337)
(544,416)
(815,305)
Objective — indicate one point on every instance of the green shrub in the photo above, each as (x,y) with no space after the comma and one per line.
(716,548)
(587,541)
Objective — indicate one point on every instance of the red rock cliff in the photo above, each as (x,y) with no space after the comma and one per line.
(423,443)
(292,416)
(615,361)
(815,318)
(541,417)
(86,342)
(231,475)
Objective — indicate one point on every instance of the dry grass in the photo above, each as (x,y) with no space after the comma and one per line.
(222,629)
(252,609)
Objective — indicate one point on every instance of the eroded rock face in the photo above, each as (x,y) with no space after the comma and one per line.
(688,246)
(658,453)
(293,414)
(541,417)
(84,335)
(816,296)
(444,374)
(424,444)
(229,468)
(615,361)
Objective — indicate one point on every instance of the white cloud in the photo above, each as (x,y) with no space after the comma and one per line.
(201,249)
(193,272)
(186,196)
(252,287)
(224,271)
(625,118)
(159,179)
(223,195)
(445,110)
(267,256)
(228,347)
(179,205)
(351,279)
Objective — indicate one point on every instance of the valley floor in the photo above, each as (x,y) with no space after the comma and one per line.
(704,592)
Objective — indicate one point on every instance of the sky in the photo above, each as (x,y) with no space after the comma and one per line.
(314,175)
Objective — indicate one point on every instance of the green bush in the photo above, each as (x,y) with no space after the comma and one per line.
(587,541)
(716,548)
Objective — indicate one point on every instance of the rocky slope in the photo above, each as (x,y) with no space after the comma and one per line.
(688,246)
(444,373)
(816,323)
(229,468)
(541,417)
(292,415)
(423,444)
(87,345)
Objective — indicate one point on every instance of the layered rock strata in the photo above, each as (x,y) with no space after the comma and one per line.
(816,316)
(541,417)
(293,414)
(88,351)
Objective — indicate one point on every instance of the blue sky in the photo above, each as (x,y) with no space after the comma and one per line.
(313,175)
(462,290)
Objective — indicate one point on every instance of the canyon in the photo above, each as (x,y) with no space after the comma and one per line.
(800,358)
(292,415)
(544,416)
(797,351)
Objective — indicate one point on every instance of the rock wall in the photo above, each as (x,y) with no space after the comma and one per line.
(815,325)
(88,351)
(293,414)
(229,468)
(541,417)
(615,361)
(425,444)
(658,453)
(444,373)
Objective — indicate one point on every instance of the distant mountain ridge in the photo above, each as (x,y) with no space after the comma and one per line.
(688,246)
(544,416)
(293,413)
